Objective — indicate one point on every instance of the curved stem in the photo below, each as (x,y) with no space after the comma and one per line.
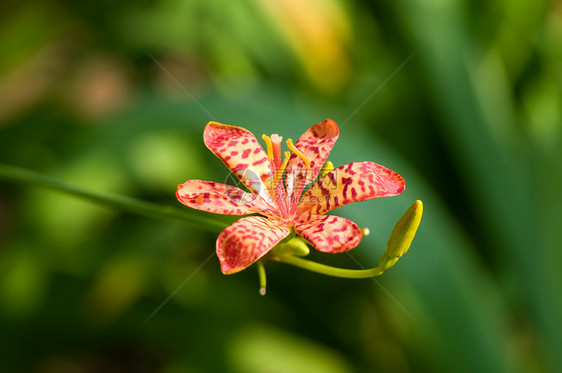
(261,274)
(128,204)
(327,270)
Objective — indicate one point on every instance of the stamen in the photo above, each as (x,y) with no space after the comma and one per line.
(269,146)
(365,231)
(328,166)
(281,169)
(300,154)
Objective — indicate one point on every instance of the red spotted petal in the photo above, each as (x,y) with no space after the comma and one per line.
(247,240)
(330,234)
(239,150)
(316,144)
(222,199)
(355,182)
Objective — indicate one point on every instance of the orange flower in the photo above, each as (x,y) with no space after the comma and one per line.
(276,191)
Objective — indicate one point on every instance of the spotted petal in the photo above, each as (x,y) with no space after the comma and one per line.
(316,144)
(330,234)
(222,199)
(247,240)
(358,181)
(239,150)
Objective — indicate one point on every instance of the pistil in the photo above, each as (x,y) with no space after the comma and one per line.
(281,169)
(276,144)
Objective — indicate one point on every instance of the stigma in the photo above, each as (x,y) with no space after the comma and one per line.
(273,145)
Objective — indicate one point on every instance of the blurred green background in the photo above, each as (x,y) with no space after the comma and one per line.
(472,121)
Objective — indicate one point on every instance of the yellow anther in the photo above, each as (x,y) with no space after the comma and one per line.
(281,169)
(328,166)
(366,231)
(294,149)
(269,146)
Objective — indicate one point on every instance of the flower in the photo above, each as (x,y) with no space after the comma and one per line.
(275,191)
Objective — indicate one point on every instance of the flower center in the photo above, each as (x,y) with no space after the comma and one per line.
(273,145)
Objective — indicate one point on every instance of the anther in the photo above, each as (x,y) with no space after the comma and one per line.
(300,154)
(269,146)
(328,166)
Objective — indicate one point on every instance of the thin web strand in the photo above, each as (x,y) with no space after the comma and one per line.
(179,288)
(181,86)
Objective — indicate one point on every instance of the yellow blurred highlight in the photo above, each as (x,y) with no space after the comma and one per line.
(318,33)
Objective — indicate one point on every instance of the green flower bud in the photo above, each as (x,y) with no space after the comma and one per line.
(404,231)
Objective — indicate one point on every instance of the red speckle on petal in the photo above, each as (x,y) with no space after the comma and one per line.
(342,229)
(260,161)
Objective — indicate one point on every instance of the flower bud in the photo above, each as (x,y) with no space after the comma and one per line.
(404,231)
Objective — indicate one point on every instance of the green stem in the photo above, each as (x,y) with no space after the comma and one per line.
(113,201)
(327,270)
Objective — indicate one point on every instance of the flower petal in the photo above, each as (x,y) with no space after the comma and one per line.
(239,150)
(247,240)
(330,234)
(315,144)
(222,199)
(355,182)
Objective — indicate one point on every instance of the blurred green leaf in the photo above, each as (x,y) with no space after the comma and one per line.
(259,348)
